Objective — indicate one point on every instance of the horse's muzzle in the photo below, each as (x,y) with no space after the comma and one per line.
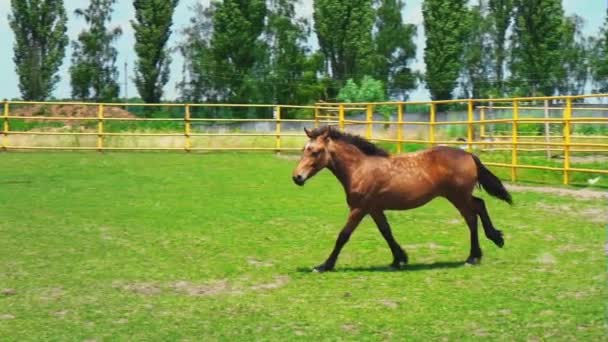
(299,180)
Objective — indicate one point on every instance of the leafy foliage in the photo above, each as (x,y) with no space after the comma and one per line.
(152,27)
(395,49)
(369,90)
(40,41)
(599,59)
(445,35)
(93,72)
(536,59)
(344,32)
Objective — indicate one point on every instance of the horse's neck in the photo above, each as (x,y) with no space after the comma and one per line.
(345,159)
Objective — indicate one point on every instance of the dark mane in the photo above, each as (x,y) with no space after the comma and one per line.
(362,144)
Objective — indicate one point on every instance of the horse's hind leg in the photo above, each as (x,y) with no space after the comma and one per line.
(491,233)
(468,212)
(399,255)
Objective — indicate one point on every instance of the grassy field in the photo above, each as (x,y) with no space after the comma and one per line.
(168,246)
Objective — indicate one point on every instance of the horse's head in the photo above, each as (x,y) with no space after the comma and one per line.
(315,156)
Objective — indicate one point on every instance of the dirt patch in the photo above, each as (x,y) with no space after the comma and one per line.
(588,159)
(8,292)
(546,259)
(582,193)
(52,294)
(193,289)
(258,263)
(147,289)
(69,110)
(60,313)
(389,303)
(188,288)
(350,328)
(595,215)
(6,317)
(279,281)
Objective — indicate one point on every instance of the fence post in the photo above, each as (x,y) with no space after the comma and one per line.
(514,141)
(100,127)
(482,118)
(547,133)
(368,121)
(187,142)
(5,128)
(567,117)
(399,126)
(316,115)
(278,128)
(341,116)
(470,125)
(432,124)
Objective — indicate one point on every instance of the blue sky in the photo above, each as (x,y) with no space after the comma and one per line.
(593,12)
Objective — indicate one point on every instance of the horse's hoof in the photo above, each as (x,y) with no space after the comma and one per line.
(498,239)
(398,264)
(473,261)
(322,268)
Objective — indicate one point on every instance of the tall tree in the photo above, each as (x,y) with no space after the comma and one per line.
(235,47)
(499,19)
(344,32)
(94,75)
(536,57)
(292,70)
(599,59)
(195,49)
(476,82)
(152,27)
(575,59)
(40,41)
(395,48)
(445,32)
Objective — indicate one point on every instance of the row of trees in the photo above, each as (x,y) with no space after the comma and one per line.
(40,28)
(259,50)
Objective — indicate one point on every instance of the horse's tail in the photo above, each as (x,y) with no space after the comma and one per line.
(490,183)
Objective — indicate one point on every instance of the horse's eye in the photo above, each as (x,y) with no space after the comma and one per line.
(315,154)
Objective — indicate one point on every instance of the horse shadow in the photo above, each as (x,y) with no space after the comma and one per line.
(388,268)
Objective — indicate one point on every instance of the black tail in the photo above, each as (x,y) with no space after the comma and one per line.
(490,183)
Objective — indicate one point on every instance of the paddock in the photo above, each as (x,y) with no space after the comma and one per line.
(175,246)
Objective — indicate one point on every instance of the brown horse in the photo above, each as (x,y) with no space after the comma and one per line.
(375,181)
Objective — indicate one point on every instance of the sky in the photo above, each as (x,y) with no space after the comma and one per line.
(592,11)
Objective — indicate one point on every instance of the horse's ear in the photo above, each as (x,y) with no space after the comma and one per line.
(307,132)
(325,135)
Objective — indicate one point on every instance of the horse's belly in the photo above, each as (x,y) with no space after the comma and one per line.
(403,201)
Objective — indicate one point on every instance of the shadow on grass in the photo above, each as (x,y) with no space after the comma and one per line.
(387,268)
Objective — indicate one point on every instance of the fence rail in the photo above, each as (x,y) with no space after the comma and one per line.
(477,119)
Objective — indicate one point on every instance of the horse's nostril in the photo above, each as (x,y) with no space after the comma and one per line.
(298,179)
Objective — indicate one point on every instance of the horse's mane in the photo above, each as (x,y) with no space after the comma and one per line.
(362,144)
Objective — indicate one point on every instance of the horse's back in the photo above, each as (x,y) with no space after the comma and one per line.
(438,171)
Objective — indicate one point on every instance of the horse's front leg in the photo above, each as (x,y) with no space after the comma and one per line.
(354,218)
(399,255)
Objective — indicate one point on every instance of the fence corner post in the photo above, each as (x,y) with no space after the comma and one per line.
(399,126)
(369,113)
(100,127)
(514,140)
(432,121)
(341,116)
(187,142)
(5,128)
(470,118)
(278,129)
(567,140)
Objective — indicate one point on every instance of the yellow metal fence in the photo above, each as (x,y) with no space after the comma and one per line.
(341,114)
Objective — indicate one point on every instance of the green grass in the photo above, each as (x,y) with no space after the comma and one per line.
(171,246)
